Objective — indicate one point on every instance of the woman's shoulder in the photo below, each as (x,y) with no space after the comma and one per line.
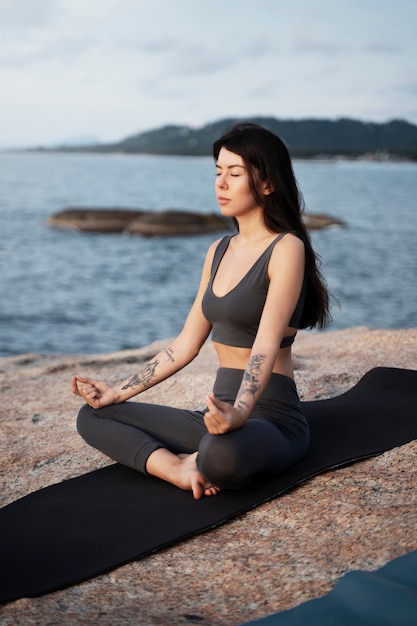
(287,241)
(288,248)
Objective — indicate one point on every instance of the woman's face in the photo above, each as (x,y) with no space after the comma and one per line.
(233,191)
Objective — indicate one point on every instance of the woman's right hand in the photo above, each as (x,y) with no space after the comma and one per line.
(94,392)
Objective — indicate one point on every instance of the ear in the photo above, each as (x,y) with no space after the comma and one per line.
(267,189)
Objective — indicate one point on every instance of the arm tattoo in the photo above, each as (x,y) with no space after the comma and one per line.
(170,354)
(145,377)
(250,383)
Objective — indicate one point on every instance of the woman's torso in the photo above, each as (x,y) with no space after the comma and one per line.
(240,272)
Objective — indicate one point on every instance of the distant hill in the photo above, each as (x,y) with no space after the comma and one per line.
(304,138)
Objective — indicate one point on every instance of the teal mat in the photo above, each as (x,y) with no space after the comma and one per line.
(386,597)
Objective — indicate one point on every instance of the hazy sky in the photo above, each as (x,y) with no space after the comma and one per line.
(111,68)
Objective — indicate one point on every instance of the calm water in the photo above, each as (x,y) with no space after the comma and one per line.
(68,292)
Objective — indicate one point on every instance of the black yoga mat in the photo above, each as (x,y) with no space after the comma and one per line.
(77,529)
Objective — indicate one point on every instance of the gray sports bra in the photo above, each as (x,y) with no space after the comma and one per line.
(235,316)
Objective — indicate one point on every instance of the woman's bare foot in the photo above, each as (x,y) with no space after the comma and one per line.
(180,470)
(191,478)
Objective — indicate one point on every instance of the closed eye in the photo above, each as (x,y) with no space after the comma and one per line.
(219,172)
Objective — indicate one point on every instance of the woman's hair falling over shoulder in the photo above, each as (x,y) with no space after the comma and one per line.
(268,160)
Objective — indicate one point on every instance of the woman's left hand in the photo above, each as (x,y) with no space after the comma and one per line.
(222,417)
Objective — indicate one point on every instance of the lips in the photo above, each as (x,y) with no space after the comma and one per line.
(222,200)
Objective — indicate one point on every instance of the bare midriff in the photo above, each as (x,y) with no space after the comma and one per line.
(237,358)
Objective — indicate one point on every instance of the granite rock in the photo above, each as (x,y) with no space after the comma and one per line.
(164,223)
(284,552)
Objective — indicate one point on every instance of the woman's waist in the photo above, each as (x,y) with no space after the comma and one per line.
(229,379)
(232,357)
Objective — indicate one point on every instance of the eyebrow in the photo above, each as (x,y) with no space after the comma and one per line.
(229,167)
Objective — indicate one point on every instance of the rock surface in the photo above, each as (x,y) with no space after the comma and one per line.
(284,552)
(165,223)
(94,220)
(172,222)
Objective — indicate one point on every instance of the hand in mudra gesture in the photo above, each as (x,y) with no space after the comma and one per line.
(222,416)
(96,393)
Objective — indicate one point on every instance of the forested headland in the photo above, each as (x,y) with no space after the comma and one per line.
(306,138)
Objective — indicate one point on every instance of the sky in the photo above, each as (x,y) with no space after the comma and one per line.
(106,69)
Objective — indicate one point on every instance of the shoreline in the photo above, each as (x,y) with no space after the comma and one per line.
(378,156)
(357,517)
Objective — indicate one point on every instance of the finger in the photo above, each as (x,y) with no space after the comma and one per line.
(84,379)
(220,405)
(74,386)
(218,414)
(212,401)
(214,409)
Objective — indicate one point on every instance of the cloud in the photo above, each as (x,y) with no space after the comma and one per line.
(161,45)
(263,89)
(308,44)
(17,15)
(382,47)
(35,51)
(193,58)
(196,59)
(261,46)
(407,85)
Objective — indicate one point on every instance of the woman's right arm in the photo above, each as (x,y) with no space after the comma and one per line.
(171,359)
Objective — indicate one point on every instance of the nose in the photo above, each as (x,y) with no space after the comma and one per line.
(221,181)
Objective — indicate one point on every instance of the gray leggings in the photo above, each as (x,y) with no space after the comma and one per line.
(275,436)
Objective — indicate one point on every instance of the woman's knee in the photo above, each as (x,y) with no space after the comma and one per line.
(222,462)
(85,421)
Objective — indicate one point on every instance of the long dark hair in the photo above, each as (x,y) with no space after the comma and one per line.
(267,160)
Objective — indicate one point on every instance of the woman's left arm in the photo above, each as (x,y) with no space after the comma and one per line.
(286,273)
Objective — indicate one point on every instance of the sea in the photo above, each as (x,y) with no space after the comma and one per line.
(69,292)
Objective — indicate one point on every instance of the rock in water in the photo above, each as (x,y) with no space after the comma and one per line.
(166,223)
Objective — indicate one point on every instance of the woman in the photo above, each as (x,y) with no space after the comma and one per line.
(257,288)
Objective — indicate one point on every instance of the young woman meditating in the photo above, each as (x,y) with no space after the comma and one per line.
(258,286)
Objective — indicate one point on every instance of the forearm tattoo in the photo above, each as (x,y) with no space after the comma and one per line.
(146,376)
(169,352)
(251,383)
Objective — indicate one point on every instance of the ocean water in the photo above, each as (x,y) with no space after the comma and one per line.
(68,292)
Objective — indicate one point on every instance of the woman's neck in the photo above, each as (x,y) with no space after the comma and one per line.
(252,228)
